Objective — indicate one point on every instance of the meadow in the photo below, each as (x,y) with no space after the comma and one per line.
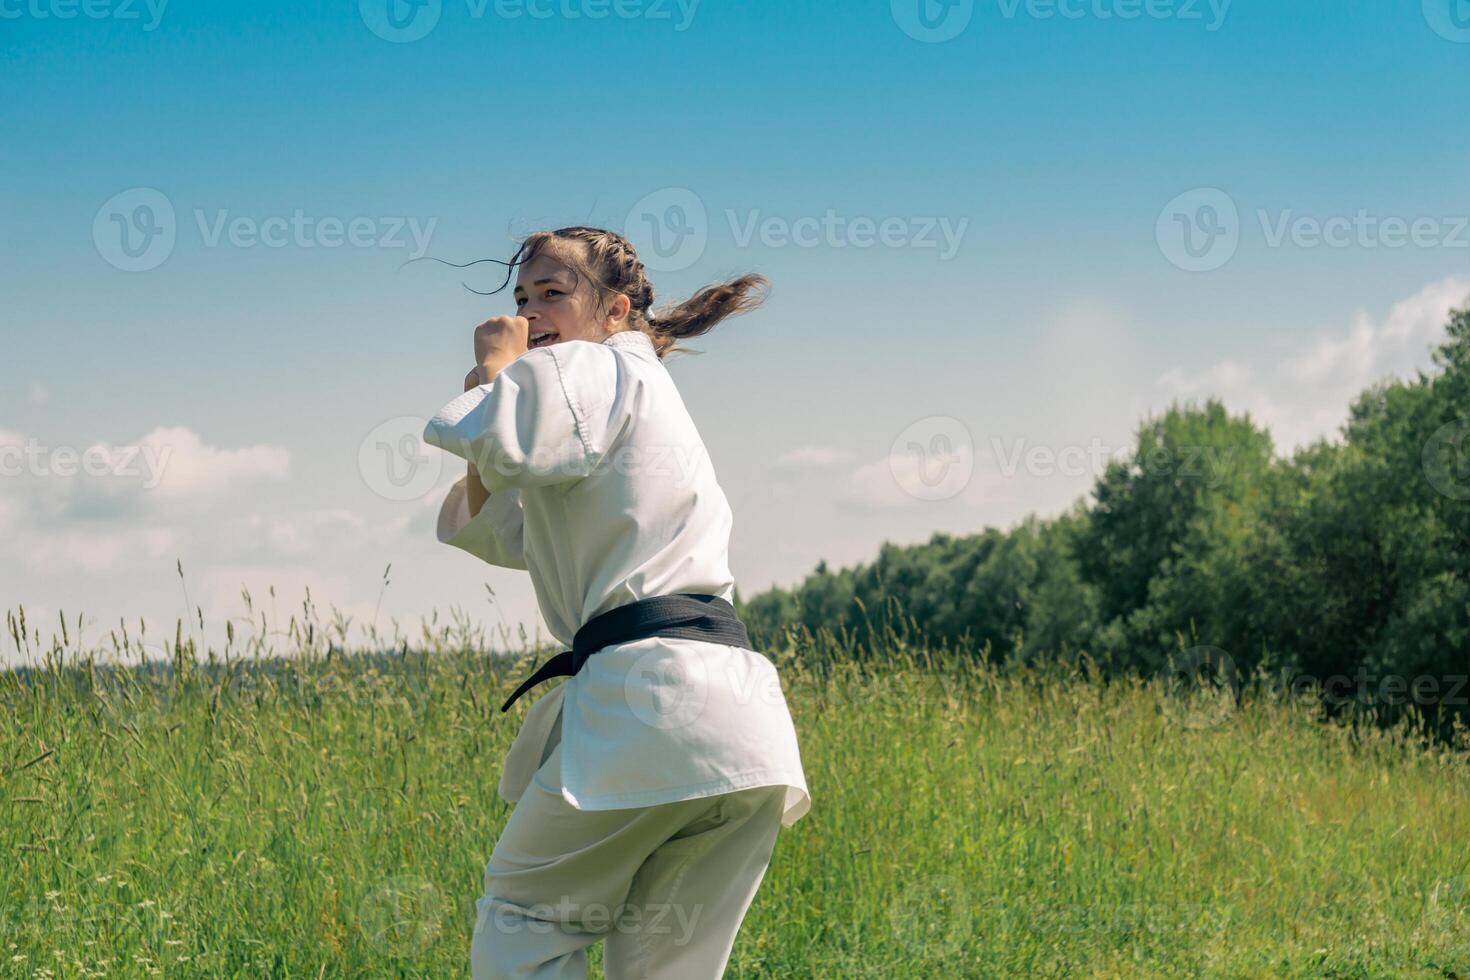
(328,814)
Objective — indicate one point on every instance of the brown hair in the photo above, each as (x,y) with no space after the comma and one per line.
(610,265)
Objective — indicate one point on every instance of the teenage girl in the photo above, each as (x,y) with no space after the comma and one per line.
(650,783)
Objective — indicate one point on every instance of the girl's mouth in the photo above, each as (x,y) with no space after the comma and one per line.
(541,340)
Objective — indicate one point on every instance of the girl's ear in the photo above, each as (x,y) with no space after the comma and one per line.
(617,310)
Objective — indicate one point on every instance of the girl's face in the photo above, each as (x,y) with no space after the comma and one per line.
(561,308)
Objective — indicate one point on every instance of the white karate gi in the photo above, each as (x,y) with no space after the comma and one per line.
(601,488)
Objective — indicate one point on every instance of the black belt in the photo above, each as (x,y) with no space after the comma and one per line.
(684,615)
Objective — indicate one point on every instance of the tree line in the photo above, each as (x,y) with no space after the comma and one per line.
(1345,565)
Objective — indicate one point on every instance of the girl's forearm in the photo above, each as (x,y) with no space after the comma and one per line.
(475,490)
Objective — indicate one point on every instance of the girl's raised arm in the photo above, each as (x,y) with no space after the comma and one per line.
(545,418)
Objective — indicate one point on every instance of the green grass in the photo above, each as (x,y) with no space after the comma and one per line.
(330,815)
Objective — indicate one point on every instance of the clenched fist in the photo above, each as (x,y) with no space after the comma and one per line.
(500,340)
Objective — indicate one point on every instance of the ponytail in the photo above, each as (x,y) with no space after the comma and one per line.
(699,313)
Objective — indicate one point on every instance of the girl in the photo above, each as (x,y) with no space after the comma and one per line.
(651,783)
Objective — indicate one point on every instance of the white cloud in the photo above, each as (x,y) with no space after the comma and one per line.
(107,481)
(105,541)
(872,485)
(309,534)
(101,551)
(1399,344)
(811,457)
(103,508)
(1305,394)
(187,468)
(1081,372)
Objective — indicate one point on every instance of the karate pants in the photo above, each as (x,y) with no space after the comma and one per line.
(665,886)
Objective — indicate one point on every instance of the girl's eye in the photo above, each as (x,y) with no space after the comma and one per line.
(520,302)
(553,292)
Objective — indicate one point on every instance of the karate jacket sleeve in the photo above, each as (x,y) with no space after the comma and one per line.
(544,420)
(495,535)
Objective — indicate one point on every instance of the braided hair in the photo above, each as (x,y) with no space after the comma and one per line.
(611,265)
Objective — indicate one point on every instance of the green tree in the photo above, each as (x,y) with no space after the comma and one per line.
(1192,472)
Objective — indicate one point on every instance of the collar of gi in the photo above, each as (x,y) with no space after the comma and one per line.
(631,340)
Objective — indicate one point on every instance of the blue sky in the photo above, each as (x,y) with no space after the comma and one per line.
(1037,168)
